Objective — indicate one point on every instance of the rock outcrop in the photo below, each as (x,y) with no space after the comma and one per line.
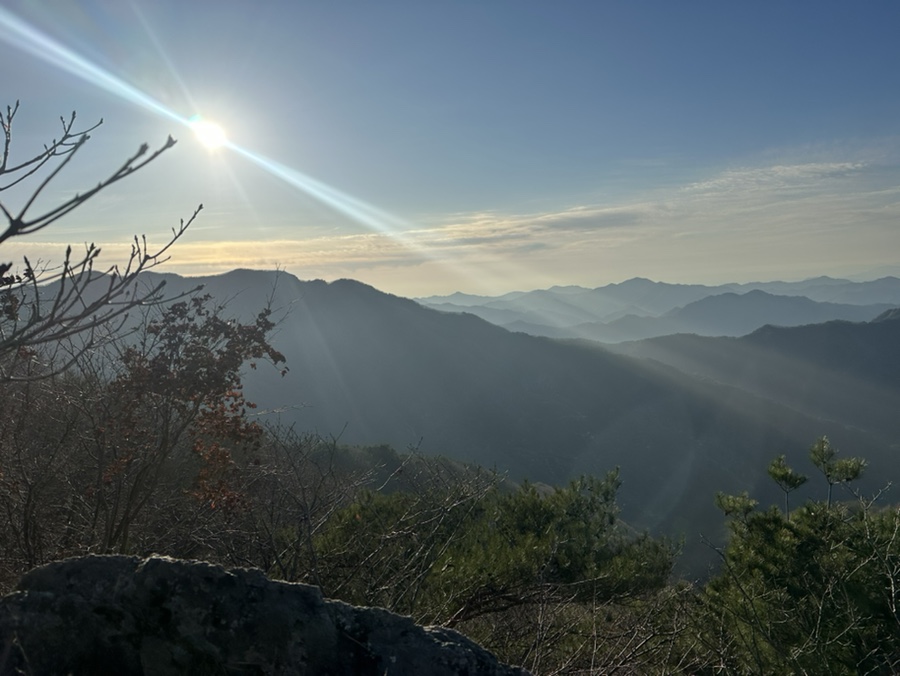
(126,615)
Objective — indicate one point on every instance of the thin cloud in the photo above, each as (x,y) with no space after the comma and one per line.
(592,218)
(775,178)
(796,217)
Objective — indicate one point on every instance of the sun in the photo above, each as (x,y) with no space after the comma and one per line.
(208,133)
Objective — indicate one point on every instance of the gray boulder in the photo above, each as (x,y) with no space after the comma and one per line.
(126,615)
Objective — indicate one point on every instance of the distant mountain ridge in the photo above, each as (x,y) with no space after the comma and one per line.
(640,308)
(370,367)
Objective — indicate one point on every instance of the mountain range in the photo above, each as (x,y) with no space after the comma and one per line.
(681,417)
(640,308)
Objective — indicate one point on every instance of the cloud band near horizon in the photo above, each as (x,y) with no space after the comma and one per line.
(787,220)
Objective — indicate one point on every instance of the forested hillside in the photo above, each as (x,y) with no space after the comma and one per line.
(842,371)
(368,367)
(154,444)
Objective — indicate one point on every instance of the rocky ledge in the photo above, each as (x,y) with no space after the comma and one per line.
(127,615)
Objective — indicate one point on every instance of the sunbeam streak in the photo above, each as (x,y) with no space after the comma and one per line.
(356,209)
(25,37)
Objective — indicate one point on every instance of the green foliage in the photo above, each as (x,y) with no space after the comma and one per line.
(820,588)
(824,456)
(787,479)
(735,505)
(472,550)
(569,541)
(506,567)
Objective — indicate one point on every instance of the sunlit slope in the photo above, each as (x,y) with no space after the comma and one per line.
(842,371)
(374,368)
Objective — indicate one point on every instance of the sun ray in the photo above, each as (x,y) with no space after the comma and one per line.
(27,38)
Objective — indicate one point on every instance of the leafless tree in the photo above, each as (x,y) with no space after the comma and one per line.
(43,304)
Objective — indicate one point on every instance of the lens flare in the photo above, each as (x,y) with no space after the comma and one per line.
(27,38)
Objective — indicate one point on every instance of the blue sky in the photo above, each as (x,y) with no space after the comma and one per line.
(478,146)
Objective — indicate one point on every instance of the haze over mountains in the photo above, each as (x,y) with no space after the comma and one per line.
(844,371)
(682,417)
(640,308)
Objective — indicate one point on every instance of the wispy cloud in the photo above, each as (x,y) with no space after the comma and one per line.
(776,178)
(777,220)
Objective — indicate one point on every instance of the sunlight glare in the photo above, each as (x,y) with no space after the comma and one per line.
(22,35)
(210,134)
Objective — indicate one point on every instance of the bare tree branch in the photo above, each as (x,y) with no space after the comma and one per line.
(42,305)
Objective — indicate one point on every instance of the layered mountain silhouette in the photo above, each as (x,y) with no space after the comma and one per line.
(640,308)
(369,367)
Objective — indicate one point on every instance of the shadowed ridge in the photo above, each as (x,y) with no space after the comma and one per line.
(888,315)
